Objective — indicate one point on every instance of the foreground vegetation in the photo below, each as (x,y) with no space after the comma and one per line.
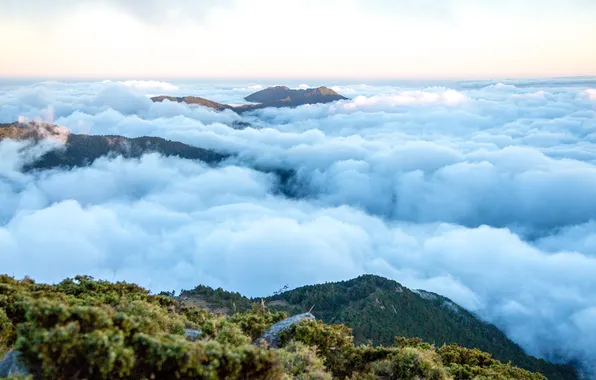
(87,329)
(377,310)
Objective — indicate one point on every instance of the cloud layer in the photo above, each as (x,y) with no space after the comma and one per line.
(482,192)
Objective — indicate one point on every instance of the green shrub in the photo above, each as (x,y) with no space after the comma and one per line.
(327,338)
(157,317)
(59,341)
(411,364)
(6,333)
(255,321)
(232,334)
(302,363)
(465,363)
(403,342)
(334,343)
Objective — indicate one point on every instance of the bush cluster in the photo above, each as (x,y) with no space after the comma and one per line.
(87,329)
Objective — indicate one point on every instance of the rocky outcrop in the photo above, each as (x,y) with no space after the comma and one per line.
(192,334)
(272,335)
(11,365)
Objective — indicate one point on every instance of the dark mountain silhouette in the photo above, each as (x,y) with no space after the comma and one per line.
(282,95)
(278,97)
(379,309)
(82,150)
(193,100)
(76,150)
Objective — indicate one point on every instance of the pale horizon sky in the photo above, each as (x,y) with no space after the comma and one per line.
(407,39)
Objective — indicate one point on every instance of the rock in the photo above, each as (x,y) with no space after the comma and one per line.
(192,334)
(11,365)
(272,335)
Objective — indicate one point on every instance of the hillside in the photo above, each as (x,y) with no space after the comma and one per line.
(32,131)
(75,150)
(378,309)
(278,97)
(81,150)
(193,100)
(87,329)
(283,95)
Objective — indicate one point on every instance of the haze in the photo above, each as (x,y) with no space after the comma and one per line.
(314,39)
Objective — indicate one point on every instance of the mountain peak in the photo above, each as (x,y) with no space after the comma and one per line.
(273,96)
(276,96)
(324,90)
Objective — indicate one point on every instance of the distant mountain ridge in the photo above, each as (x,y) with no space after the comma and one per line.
(379,309)
(81,150)
(193,100)
(277,96)
(78,150)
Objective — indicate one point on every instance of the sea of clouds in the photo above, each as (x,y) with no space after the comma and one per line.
(480,191)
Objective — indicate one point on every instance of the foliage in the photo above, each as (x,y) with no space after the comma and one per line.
(378,310)
(411,363)
(302,362)
(216,299)
(257,320)
(101,343)
(83,328)
(6,334)
(467,363)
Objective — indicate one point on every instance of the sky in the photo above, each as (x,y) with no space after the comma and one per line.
(297,39)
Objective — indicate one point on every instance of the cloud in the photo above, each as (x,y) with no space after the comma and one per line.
(591,93)
(84,101)
(118,98)
(153,85)
(150,11)
(481,193)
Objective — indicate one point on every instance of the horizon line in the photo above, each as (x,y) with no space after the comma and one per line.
(293,78)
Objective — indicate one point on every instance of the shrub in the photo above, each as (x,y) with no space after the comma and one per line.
(232,334)
(157,318)
(403,342)
(410,364)
(465,363)
(59,341)
(334,343)
(257,320)
(302,363)
(82,328)
(6,333)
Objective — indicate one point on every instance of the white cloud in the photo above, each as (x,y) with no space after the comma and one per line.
(146,85)
(591,93)
(483,195)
